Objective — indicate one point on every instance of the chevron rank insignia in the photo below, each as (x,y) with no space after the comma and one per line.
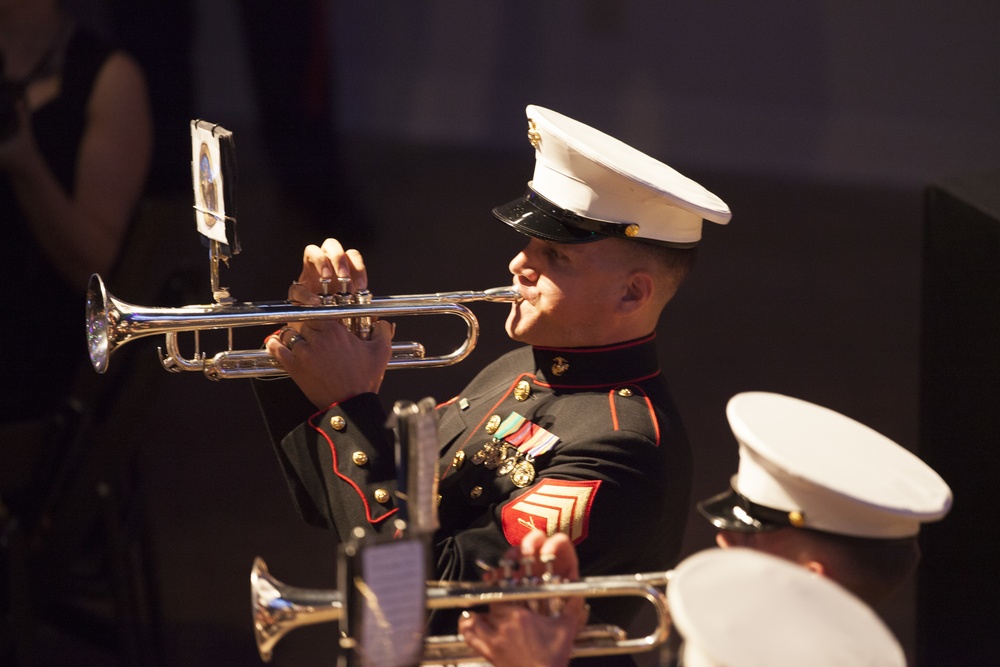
(553,506)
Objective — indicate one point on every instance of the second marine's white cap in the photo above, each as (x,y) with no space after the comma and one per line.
(807,466)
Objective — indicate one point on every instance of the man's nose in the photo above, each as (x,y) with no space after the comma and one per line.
(518,263)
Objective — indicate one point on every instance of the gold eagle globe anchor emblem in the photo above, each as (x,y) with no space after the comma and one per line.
(559,366)
(534,136)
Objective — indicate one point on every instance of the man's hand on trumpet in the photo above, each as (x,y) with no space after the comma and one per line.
(327,262)
(516,635)
(327,362)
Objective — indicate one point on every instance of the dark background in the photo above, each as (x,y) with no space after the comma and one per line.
(397,126)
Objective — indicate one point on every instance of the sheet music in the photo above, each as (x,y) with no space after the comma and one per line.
(393,595)
(424,469)
(416,463)
(208,179)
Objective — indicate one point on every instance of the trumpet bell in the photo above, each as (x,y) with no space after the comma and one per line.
(98,344)
(279,608)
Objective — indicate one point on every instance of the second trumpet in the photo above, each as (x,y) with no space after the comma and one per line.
(279,608)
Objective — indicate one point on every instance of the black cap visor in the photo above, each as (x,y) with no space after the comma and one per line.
(733,512)
(536,216)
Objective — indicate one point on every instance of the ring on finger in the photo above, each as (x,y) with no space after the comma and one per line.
(289,337)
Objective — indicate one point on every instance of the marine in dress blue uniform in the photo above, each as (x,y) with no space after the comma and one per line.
(582,440)
(616,479)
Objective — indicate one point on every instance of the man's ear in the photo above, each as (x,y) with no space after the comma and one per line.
(816,567)
(638,290)
(726,539)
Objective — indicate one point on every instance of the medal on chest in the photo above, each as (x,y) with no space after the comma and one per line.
(516,443)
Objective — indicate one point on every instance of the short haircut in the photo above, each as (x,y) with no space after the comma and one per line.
(678,261)
(870,567)
(666,261)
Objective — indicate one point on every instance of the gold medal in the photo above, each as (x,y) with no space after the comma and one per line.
(481,455)
(493,458)
(523,474)
(508,464)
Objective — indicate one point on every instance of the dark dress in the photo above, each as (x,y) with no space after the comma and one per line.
(43,317)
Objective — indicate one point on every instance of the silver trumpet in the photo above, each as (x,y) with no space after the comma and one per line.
(111,323)
(279,608)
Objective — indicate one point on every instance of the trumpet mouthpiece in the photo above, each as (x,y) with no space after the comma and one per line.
(502,294)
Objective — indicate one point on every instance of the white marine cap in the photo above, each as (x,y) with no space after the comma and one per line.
(588,186)
(810,467)
(740,607)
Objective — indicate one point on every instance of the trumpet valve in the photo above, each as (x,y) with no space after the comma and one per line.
(507,572)
(528,578)
(343,297)
(528,569)
(362,327)
(549,576)
(325,297)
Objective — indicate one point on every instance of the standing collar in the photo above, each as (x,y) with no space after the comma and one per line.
(607,365)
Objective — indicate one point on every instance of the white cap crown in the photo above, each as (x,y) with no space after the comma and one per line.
(739,607)
(837,474)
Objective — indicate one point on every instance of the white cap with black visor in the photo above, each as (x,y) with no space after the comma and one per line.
(588,185)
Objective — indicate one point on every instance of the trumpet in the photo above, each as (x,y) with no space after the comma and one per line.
(279,608)
(112,322)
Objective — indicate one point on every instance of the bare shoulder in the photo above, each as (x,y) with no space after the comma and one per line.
(120,85)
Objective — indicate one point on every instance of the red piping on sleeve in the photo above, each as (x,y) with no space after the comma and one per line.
(336,471)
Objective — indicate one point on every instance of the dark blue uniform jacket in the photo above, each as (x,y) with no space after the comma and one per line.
(616,479)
